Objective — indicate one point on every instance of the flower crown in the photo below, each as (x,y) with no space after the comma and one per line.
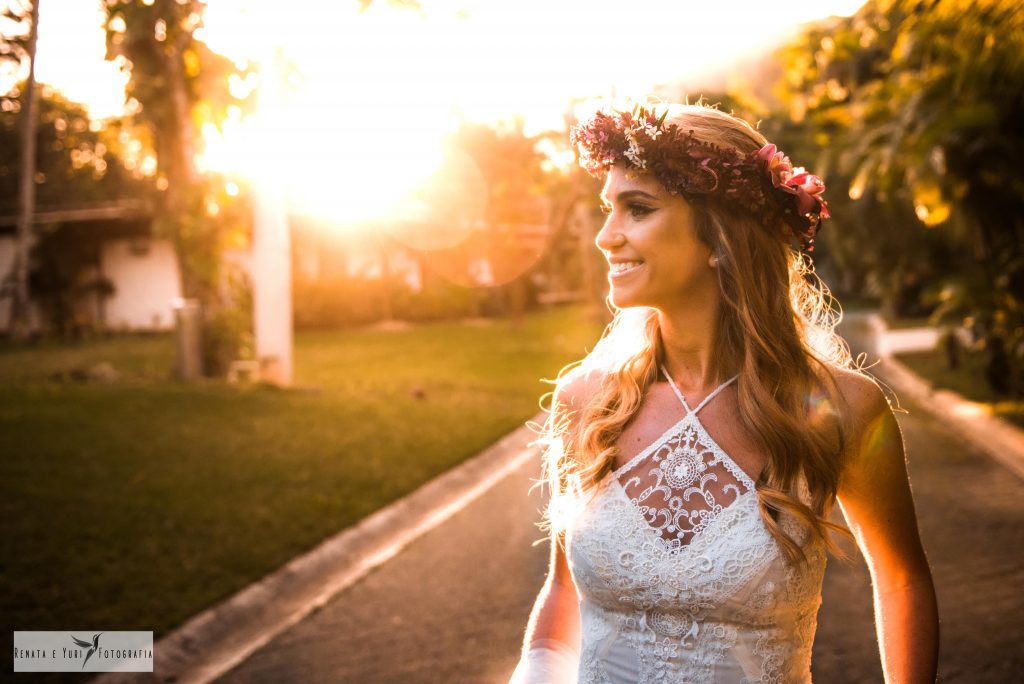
(763,182)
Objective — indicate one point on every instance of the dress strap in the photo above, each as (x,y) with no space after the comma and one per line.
(703,403)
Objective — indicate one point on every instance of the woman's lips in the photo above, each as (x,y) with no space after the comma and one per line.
(624,268)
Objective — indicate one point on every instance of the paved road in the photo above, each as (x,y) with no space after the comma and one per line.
(452,606)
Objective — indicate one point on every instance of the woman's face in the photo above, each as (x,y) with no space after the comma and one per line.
(654,256)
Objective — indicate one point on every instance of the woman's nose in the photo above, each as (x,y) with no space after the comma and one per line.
(609,237)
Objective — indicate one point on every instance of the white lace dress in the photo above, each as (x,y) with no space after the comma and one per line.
(678,577)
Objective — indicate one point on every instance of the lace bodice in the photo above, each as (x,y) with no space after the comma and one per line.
(678,577)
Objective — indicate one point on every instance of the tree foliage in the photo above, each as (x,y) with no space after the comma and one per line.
(916,108)
(77,161)
(15,24)
(176,82)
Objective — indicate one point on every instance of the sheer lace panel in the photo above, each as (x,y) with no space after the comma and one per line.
(681,483)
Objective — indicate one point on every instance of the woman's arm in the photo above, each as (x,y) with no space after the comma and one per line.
(874,494)
(556,614)
(552,642)
(551,645)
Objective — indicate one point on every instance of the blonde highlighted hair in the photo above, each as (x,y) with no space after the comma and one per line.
(776,325)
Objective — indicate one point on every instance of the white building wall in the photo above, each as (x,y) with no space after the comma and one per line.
(146,281)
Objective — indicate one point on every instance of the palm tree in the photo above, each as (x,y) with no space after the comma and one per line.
(19,322)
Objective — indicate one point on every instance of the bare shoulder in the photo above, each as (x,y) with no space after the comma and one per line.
(865,400)
(873,437)
(575,388)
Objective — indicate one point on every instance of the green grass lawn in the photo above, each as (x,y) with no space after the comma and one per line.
(967,380)
(136,503)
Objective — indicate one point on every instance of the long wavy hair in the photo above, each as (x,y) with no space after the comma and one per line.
(776,325)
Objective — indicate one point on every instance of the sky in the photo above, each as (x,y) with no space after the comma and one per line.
(480,57)
(391,82)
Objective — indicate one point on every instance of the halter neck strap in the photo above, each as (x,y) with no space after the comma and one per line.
(706,399)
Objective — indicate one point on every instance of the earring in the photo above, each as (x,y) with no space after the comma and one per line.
(713,262)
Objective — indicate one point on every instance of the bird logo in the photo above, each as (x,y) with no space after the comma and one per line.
(85,644)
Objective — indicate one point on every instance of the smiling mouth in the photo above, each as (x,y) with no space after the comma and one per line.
(624,268)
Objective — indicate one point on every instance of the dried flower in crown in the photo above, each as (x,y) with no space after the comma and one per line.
(763,182)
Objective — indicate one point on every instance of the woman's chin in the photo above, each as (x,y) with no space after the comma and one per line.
(628,298)
(623,299)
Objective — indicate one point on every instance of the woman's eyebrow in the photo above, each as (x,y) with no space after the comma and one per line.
(630,194)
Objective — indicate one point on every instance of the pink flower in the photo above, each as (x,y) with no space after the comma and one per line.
(807,182)
(807,187)
(796,181)
(779,167)
(767,152)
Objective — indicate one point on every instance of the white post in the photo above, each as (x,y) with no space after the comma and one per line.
(271,246)
(188,334)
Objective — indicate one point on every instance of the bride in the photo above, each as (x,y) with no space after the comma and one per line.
(695,455)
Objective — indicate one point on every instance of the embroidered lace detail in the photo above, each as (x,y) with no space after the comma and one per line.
(679,579)
(684,484)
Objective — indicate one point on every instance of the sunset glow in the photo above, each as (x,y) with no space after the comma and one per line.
(373,94)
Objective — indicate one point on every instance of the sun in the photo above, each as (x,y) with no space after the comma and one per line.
(345,167)
(350,135)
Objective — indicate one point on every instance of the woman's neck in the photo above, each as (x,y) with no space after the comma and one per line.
(688,339)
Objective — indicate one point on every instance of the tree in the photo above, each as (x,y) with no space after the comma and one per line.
(22,48)
(178,84)
(917,105)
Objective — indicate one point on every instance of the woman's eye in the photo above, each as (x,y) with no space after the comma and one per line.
(640,210)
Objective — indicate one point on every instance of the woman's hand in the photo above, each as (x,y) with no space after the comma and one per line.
(546,662)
